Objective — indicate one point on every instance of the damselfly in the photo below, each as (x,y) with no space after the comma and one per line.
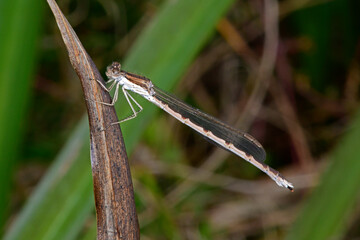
(239,143)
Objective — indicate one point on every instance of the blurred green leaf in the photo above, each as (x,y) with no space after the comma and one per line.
(61,201)
(19,32)
(164,226)
(327,211)
(162,52)
(90,233)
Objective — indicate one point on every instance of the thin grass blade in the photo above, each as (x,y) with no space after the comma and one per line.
(327,211)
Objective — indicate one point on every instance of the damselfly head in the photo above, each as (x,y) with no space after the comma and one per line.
(113,70)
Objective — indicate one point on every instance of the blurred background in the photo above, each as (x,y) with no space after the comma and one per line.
(285,71)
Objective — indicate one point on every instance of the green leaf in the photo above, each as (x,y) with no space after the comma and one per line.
(62,200)
(327,211)
(19,31)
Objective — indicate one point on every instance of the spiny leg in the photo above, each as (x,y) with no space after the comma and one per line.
(103,86)
(115,95)
(112,85)
(127,95)
(137,104)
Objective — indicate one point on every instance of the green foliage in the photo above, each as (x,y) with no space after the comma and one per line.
(63,199)
(19,33)
(327,211)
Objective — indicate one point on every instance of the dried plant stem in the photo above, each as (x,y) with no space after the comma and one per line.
(114,196)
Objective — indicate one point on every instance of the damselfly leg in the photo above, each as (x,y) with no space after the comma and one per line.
(135,113)
(115,98)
